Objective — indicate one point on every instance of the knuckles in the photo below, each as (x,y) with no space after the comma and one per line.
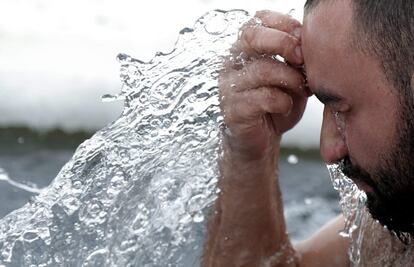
(262,70)
(257,73)
(277,101)
(248,39)
(254,40)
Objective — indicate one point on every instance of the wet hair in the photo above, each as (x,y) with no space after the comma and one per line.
(385,30)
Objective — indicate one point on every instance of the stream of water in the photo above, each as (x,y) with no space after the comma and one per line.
(352,202)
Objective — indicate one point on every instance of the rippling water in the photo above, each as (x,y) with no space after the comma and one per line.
(137,192)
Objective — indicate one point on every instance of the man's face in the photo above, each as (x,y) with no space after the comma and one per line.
(366,125)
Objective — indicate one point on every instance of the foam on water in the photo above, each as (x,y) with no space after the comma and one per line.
(352,201)
(137,192)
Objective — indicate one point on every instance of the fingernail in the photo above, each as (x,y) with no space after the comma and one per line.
(297,32)
(298,52)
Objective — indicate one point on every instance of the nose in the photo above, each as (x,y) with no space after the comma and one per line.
(333,146)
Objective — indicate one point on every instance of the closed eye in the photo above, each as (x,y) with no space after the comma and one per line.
(327,98)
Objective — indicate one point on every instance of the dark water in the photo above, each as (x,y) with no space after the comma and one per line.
(33,158)
(308,195)
(37,167)
(309,198)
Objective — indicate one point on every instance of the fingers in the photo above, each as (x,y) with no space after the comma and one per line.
(264,72)
(279,21)
(270,33)
(260,95)
(263,40)
(252,104)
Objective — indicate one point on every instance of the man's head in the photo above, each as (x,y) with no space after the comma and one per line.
(359,61)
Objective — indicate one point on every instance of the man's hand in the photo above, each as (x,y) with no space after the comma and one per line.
(263,97)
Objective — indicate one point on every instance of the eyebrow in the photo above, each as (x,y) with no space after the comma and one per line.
(325,97)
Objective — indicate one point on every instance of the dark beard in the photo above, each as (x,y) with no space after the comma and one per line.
(391,200)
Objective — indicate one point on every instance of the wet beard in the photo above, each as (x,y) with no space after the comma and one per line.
(392,197)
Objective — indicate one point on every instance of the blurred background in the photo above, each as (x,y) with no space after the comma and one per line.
(57,58)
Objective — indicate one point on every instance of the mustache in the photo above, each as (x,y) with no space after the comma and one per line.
(356,173)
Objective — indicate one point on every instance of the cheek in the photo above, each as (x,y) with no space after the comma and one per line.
(367,139)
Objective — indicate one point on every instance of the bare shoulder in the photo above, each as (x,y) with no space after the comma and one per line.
(326,247)
(378,247)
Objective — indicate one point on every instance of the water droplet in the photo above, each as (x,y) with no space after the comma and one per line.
(77,185)
(278,58)
(198,217)
(257,21)
(215,24)
(5,254)
(68,238)
(308,201)
(91,213)
(117,182)
(30,236)
(112,98)
(28,259)
(59,257)
(293,159)
(125,159)
(143,98)
(94,208)
(76,226)
(123,58)
(70,204)
(185,219)
(96,258)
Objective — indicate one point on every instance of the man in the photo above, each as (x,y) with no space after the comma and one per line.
(357,58)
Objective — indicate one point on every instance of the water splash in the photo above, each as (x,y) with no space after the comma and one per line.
(292,159)
(137,192)
(352,202)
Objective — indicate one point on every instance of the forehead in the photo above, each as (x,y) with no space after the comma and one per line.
(335,65)
(326,43)
(330,20)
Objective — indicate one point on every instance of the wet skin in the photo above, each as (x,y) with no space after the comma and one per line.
(350,84)
(372,125)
